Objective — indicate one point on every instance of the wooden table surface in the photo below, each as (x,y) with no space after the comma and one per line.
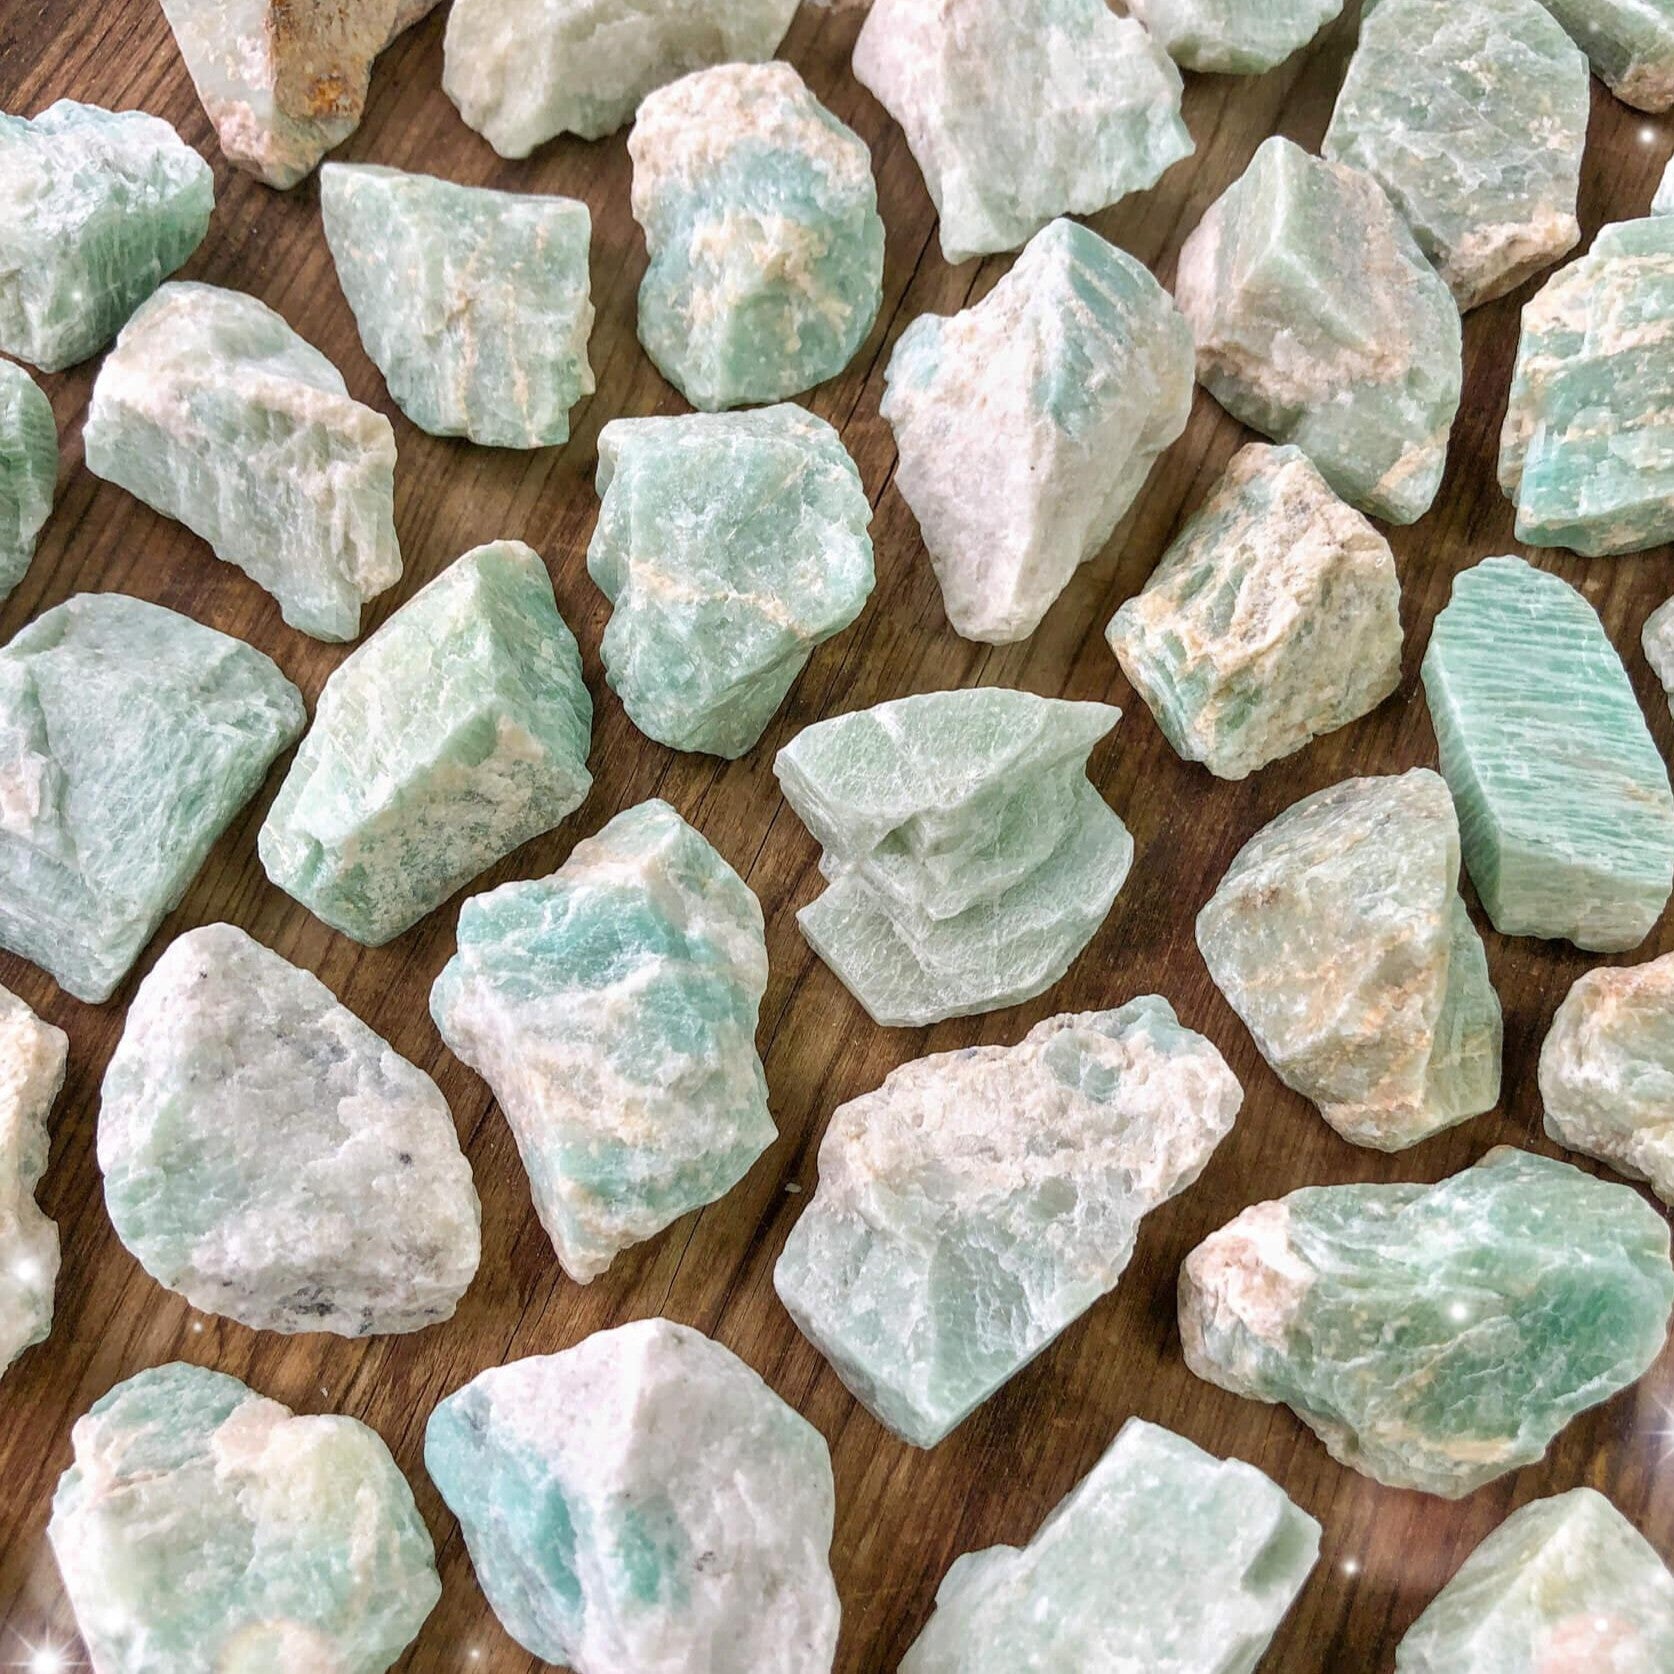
(902,1515)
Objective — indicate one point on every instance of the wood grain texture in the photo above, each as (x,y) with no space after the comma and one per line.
(902,1515)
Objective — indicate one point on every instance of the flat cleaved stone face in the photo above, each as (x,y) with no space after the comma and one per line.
(1630,43)
(729,545)
(28,470)
(979,1202)
(1019,111)
(1234,37)
(266,1155)
(1212,1555)
(204,1528)
(1319,322)
(1434,1337)
(612,1008)
(213,411)
(761,219)
(1564,805)
(643,1501)
(455,734)
(133,736)
(1027,425)
(97,209)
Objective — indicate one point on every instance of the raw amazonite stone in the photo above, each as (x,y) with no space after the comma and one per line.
(729,546)
(1234,37)
(968,857)
(1319,322)
(1275,616)
(1657,640)
(1564,803)
(1562,1584)
(521,72)
(1163,1558)
(1434,1337)
(979,1202)
(1019,111)
(456,733)
(643,1501)
(612,1008)
(1473,119)
(1027,425)
(28,470)
(129,738)
(475,305)
(213,411)
(204,1529)
(98,208)
(1339,936)
(269,1157)
(1630,43)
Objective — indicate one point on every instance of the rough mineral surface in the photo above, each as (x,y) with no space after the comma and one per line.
(1563,1584)
(729,545)
(1319,322)
(1657,640)
(459,731)
(213,411)
(1027,425)
(32,1056)
(643,1501)
(269,1157)
(204,1529)
(1473,119)
(129,738)
(1212,1553)
(1630,43)
(1019,111)
(761,219)
(612,1008)
(1339,936)
(28,470)
(98,208)
(979,1202)
(968,857)
(1234,37)
(475,305)
(1564,803)
(1434,1337)
(1274,617)
(521,72)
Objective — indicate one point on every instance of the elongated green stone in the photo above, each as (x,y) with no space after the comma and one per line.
(1630,43)
(28,470)
(1234,37)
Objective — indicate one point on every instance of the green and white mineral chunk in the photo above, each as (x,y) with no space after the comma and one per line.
(1234,37)
(475,305)
(97,209)
(1434,1337)
(643,1501)
(612,1008)
(729,546)
(1162,1558)
(28,470)
(1319,322)
(213,411)
(979,1202)
(761,219)
(130,737)
(968,857)
(1274,617)
(1564,805)
(455,734)
(204,1529)
(1027,425)
(1339,936)
(1630,43)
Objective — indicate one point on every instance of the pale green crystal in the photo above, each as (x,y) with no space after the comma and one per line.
(132,736)
(979,1202)
(612,1008)
(475,305)
(1434,1337)
(28,470)
(459,731)
(1162,1559)
(97,209)
(1565,811)
(213,411)
(1234,37)
(1319,322)
(1019,111)
(204,1529)
(1630,43)
(968,857)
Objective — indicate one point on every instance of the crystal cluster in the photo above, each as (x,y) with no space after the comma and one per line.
(1630,43)
(28,470)
(1234,37)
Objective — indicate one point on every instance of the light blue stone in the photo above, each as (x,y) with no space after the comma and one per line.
(28,470)
(1235,37)
(1630,43)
